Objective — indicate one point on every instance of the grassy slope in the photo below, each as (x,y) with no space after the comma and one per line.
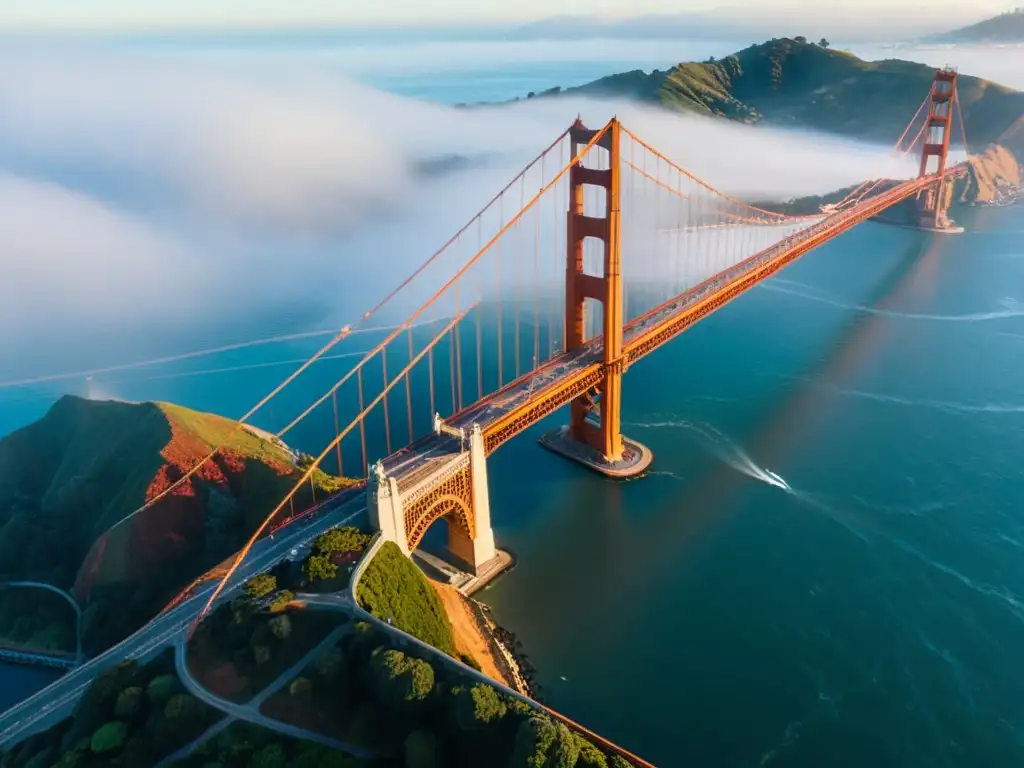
(393,588)
(65,478)
(86,465)
(784,82)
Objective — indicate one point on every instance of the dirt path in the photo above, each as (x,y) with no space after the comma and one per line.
(468,638)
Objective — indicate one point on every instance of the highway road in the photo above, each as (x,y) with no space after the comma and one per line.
(55,702)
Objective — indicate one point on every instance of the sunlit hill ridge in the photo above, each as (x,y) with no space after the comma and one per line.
(68,479)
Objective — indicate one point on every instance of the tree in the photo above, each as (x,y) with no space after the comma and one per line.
(518,707)
(280,627)
(271,756)
(310,755)
(618,761)
(590,756)
(301,688)
(401,682)
(800,39)
(329,665)
(261,584)
(344,539)
(824,43)
(160,689)
(129,701)
(281,600)
(181,707)
(477,707)
(320,568)
(109,737)
(540,743)
(420,750)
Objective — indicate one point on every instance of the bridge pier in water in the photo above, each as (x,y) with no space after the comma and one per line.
(593,435)
(450,483)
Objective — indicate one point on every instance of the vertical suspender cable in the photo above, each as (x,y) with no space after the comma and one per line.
(408,389)
(337,430)
(362,420)
(387,421)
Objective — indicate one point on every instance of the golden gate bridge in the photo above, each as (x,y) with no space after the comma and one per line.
(600,251)
(597,253)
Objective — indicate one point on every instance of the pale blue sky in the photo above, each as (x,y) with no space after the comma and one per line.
(164,13)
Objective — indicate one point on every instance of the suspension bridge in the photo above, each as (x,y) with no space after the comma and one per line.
(599,252)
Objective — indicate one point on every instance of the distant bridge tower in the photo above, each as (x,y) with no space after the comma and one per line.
(593,436)
(934,202)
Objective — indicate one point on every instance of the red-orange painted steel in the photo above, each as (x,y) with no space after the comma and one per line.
(579,381)
(606,288)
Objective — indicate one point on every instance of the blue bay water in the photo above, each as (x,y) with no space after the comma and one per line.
(869,613)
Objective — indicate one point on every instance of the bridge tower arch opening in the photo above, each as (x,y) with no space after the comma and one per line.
(451,485)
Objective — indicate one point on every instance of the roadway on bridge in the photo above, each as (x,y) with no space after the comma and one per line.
(417,462)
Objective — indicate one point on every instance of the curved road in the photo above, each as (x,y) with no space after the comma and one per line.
(250,711)
(67,597)
(55,702)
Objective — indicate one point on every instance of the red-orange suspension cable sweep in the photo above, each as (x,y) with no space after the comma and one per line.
(713,190)
(706,204)
(343,333)
(467,225)
(440,292)
(910,125)
(241,422)
(443,289)
(323,454)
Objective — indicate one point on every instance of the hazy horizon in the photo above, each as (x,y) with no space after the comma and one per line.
(870,20)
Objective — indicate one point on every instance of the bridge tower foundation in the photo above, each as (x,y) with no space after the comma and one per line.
(451,485)
(593,436)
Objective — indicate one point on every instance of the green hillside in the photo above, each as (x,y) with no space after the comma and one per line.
(67,480)
(799,84)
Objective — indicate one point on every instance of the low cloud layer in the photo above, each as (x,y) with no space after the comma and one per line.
(150,202)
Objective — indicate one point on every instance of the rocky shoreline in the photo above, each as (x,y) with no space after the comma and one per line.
(510,649)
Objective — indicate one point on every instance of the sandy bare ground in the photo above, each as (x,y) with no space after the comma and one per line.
(468,638)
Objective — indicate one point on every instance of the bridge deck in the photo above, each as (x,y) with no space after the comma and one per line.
(553,384)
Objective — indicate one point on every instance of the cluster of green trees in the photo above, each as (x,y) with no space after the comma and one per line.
(37,619)
(320,566)
(320,571)
(131,716)
(242,745)
(823,43)
(425,715)
(249,647)
(394,589)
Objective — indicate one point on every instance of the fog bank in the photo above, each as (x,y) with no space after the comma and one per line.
(154,203)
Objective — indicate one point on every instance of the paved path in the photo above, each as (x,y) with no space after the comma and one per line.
(55,702)
(250,710)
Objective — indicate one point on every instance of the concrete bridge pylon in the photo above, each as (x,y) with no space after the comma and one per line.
(450,485)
